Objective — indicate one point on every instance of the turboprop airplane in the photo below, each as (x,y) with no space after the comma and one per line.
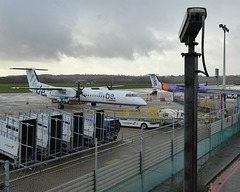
(156,84)
(91,95)
(228,90)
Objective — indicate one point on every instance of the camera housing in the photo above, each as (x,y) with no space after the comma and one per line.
(192,23)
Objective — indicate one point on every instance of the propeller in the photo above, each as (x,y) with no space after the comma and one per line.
(79,92)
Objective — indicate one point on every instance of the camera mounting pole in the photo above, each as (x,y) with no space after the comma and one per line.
(190,117)
(192,24)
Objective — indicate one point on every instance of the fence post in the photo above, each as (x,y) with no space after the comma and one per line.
(210,131)
(173,148)
(222,115)
(141,153)
(238,108)
(96,163)
(7,176)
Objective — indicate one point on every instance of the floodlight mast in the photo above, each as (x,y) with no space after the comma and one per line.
(192,24)
(225,29)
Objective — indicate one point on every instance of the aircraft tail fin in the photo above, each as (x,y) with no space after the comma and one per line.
(155,82)
(32,77)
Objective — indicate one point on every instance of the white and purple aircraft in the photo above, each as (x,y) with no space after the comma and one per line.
(156,84)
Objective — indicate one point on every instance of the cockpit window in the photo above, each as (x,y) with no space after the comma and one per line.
(131,95)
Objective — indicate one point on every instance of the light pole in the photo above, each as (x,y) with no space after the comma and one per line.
(216,75)
(224,53)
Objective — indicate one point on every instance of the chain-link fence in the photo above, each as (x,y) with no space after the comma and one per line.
(95,160)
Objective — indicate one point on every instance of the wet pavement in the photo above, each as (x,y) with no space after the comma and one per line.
(220,173)
(24,102)
(225,167)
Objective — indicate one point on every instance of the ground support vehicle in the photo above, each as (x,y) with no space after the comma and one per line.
(138,123)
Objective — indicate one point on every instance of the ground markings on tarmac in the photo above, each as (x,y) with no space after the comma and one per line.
(219,183)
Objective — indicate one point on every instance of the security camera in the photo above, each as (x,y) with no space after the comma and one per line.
(192,23)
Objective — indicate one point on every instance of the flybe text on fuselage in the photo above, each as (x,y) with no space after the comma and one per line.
(107,96)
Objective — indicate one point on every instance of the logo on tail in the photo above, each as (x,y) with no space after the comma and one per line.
(155,82)
(33,80)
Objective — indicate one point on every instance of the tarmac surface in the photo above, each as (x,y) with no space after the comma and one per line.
(24,102)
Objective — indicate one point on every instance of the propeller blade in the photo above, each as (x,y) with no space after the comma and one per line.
(111,86)
(108,87)
(79,92)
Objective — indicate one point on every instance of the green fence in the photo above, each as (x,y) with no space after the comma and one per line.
(158,173)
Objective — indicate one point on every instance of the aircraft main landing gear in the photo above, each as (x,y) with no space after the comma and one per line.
(61,106)
(93,104)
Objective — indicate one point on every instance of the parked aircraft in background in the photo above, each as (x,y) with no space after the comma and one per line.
(231,91)
(156,84)
(91,95)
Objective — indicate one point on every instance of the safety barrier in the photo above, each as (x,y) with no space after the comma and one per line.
(156,155)
(52,134)
(178,144)
(84,183)
(142,163)
(117,172)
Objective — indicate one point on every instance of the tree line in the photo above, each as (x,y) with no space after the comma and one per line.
(115,79)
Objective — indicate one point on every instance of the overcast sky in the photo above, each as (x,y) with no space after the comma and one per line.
(129,37)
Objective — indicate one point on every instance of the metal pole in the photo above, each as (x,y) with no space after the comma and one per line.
(223,105)
(217,75)
(7,176)
(225,29)
(190,118)
(96,163)
(223,115)
(238,107)
(141,160)
(173,148)
(209,131)
(224,61)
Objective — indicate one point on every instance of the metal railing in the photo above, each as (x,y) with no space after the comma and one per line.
(140,158)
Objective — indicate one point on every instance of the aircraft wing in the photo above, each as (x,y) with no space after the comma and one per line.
(229,90)
(45,88)
(118,86)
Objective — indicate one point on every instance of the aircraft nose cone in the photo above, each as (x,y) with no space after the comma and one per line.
(142,102)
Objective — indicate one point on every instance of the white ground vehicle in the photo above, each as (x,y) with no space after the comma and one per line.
(138,123)
(178,115)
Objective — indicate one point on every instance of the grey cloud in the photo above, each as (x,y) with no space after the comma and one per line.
(43,30)
(31,32)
